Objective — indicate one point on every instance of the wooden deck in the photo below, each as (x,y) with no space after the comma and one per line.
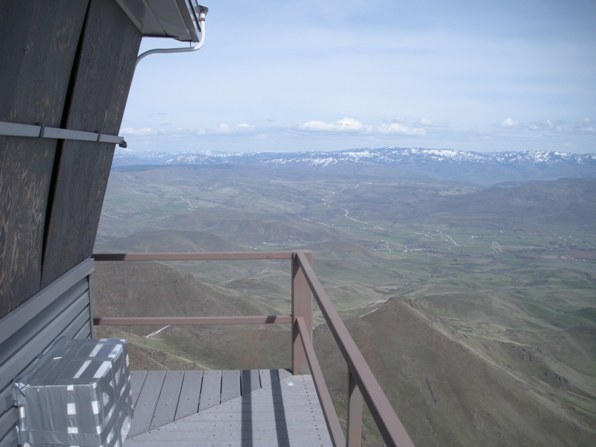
(225,408)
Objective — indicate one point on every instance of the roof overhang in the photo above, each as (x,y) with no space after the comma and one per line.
(178,19)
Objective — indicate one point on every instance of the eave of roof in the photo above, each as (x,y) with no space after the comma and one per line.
(178,19)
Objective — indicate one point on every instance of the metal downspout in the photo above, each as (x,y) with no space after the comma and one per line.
(196,47)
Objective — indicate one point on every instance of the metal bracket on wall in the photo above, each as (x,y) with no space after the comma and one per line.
(41,131)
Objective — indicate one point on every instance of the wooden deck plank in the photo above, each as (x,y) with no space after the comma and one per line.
(271,406)
(208,443)
(287,413)
(208,431)
(249,381)
(300,417)
(210,390)
(147,401)
(168,399)
(189,396)
(265,377)
(284,374)
(230,385)
(269,376)
(137,378)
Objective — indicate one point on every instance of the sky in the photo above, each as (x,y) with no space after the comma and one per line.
(286,76)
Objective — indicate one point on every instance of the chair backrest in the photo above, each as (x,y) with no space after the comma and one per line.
(60,309)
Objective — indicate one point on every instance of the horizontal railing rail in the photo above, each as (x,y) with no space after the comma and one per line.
(192,321)
(362,384)
(214,256)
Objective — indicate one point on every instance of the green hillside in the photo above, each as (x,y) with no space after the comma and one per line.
(447,393)
(153,289)
(488,292)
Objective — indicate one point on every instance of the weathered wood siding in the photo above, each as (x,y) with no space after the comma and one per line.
(109,46)
(69,64)
(61,309)
(63,63)
(38,43)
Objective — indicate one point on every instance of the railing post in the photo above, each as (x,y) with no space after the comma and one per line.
(301,307)
(355,401)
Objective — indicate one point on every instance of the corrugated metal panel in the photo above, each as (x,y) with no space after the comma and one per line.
(60,309)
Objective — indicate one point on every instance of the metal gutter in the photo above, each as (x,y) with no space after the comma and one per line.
(183,20)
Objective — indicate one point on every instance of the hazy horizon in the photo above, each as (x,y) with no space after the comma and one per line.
(141,151)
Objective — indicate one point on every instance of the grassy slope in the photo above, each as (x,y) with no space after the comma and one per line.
(446,394)
(501,278)
(154,289)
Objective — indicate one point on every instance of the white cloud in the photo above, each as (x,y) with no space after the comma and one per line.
(343,125)
(228,129)
(316,126)
(548,125)
(545,127)
(350,124)
(400,129)
(354,126)
(585,125)
(142,131)
(222,128)
(509,123)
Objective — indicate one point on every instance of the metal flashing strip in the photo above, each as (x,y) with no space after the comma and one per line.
(178,19)
(41,131)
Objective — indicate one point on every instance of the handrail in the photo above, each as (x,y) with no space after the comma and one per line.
(362,384)
(390,426)
(337,435)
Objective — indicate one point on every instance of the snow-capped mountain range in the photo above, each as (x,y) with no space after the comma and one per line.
(481,167)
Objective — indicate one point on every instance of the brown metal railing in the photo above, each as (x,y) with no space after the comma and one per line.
(362,384)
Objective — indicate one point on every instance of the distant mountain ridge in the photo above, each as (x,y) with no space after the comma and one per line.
(448,164)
